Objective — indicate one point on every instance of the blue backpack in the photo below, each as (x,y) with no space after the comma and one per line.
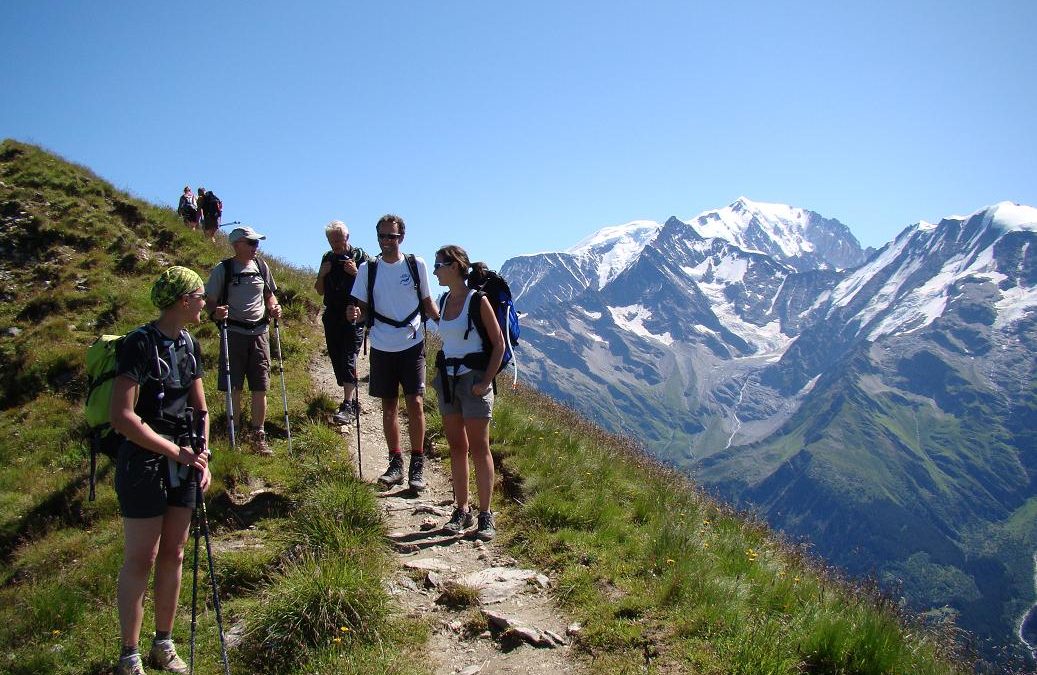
(498,293)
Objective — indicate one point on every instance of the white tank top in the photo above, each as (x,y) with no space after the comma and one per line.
(455,346)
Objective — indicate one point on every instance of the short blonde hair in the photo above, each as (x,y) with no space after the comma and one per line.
(336,225)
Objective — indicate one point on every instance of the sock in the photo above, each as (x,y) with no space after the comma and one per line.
(163,635)
(395,453)
(129,650)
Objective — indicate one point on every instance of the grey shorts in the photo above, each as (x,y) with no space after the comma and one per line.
(392,370)
(249,358)
(462,401)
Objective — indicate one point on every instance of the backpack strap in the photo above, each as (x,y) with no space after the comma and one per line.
(264,274)
(372,272)
(372,314)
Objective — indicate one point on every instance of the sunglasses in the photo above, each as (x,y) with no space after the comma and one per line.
(391,236)
(437,265)
(196,296)
(251,242)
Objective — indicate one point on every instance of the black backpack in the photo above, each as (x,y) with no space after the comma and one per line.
(372,272)
(185,209)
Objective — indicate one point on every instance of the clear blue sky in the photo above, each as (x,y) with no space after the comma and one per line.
(518,127)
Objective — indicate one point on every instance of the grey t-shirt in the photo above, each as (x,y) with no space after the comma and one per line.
(245,294)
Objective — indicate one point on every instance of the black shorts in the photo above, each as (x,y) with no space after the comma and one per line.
(142,483)
(392,370)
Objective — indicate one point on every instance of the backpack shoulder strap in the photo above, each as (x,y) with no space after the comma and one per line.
(228,272)
(264,273)
(372,273)
(412,264)
(475,320)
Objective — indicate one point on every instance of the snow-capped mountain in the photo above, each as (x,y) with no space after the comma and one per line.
(793,235)
(801,239)
(754,346)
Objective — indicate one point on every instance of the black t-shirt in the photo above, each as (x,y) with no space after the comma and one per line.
(171,371)
(337,284)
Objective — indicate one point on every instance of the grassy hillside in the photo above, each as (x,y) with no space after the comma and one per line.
(661,577)
(932,500)
(300,551)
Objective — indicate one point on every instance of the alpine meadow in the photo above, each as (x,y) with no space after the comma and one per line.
(661,576)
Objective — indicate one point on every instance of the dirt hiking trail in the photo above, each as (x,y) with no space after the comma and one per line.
(527,632)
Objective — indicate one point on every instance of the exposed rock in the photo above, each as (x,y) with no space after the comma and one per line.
(428,524)
(428,564)
(499,583)
(470,670)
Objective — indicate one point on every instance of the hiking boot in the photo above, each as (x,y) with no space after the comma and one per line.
(394,474)
(259,445)
(486,529)
(416,473)
(344,414)
(164,657)
(131,665)
(459,521)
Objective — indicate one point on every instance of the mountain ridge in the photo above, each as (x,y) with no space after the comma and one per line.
(716,353)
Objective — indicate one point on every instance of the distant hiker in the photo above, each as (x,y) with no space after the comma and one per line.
(392,296)
(242,292)
(338,270)
(212,210)
(158,376)
(464,385)
(188,209)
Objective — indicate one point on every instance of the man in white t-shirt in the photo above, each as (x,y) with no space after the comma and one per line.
(396,309)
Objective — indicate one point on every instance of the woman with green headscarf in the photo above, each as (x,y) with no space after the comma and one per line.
(157,474)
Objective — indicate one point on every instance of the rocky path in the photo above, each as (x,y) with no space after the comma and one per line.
(486,613)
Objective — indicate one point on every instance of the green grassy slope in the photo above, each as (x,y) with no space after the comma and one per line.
(78,260)
(890,484)
(661,577)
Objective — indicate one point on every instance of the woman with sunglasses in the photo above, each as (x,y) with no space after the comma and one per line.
(464,387)
(157,475)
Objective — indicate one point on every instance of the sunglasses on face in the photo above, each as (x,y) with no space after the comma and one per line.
(437,265)
(251,242)
(196,296)
(391,236)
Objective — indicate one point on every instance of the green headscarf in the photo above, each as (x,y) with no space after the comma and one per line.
(173,283)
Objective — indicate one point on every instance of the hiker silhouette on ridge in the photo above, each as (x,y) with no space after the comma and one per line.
(188,209)
(212,211)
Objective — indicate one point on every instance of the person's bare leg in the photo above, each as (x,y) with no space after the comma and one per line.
(140,547)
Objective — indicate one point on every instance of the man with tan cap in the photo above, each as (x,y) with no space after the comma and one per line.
(242,292)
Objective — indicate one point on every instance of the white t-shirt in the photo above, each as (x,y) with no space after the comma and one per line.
(395,298)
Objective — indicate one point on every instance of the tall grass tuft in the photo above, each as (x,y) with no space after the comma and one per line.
(318,602)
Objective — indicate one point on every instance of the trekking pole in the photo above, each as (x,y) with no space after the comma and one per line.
(284,390)
(197,437)
(194,585)
(356,406)
(226,374)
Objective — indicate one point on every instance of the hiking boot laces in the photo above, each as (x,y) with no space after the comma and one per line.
(394,474)
(486,529)
(460,520)
(164,657)
(416,473)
